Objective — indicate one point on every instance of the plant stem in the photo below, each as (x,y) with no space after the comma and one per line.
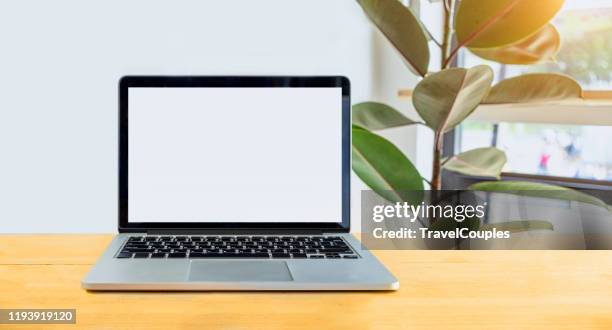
(451,56)
(436,177)
(446,41)
(436,173)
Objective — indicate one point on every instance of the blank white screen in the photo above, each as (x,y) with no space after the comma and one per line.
(234,154)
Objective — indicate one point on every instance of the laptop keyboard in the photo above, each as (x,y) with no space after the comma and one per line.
(266,247)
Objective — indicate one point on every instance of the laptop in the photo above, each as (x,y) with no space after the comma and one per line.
(235,183)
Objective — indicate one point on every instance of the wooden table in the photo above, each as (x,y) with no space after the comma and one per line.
(451,289)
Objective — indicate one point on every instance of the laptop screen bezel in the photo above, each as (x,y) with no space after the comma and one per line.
(233,81)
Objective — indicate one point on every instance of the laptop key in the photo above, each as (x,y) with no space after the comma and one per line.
(335,250)
(253,255)
(137,250)
(316,256)
(177,255)
(158,255)
(350,257)
(298,255)
(259,255)
(123,255)
(141,255)
(136,243)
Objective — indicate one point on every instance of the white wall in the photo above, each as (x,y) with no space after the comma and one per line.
(59,65)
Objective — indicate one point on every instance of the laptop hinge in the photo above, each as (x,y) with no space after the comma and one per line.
(234,231)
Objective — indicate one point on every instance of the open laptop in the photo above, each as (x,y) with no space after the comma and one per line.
(235,183)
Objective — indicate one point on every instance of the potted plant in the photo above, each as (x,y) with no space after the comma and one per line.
(504,31)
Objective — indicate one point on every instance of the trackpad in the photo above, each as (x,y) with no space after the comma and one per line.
(239,271)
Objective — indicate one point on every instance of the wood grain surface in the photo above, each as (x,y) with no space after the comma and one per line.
(439,289)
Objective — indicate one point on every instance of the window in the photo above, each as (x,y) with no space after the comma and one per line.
(574,151)
(585,27)
(570,141)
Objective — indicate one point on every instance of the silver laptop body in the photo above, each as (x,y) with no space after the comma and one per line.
(235,183)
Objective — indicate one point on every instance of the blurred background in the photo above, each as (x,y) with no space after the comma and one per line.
(560,148)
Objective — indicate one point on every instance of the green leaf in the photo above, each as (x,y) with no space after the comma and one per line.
(447,224)
(495,23)
(478,162)
(534,88)
(402,29)
(535,189)
(384,168)
(519,226)
(375,116)
(539,47)
(444,99)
